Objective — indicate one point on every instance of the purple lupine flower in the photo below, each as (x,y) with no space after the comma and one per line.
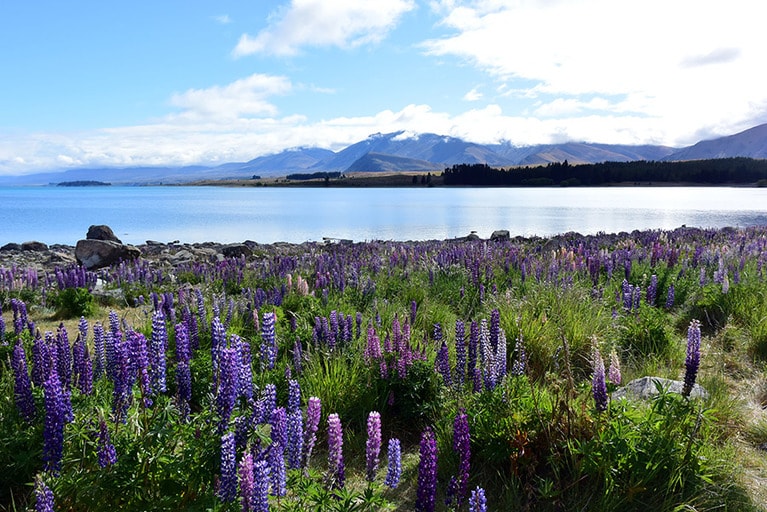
(123,379)
(261,489)
(471,370)
(460,352)
(43,496)
(2,329)
(394,468)
(358,324)
(41,361)
(246,371)
(487,355)
(437,336)
(652,290)
(614,371)
(114,322)
(462,447)
(200,307)
(373,347)
(106,452)
(477,500)
(53,430)
(336,471)
(110,341)
(298,356)
(20,320)
(277,474)
(226,394)
(99,356)
(495,328)
(139,360)
(279,423)
(85,371)
(295,446)
(227,491)
(426,494)
(692,360)
(373,445)
(217,342)
(670,297)
(22,386)
(247,483)
(442,363)
(313,414)
(269,341)
(413,310)
(294,396)
(157,346)
(598,385)
(270,399)
(63,357)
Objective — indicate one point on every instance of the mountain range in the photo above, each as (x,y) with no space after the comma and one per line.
(406,151)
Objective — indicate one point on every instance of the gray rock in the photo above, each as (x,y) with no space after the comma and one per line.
(500,235)
(646,387)
(34,246)
(93,254)
(102,232)
(11,247)
(236,250)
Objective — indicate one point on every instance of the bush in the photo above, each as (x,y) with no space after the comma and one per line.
(74,303)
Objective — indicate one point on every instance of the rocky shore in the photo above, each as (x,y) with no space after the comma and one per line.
(101,248)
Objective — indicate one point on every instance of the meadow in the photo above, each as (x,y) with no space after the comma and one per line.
(435,375)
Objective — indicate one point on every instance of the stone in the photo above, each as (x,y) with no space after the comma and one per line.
(34,246)
(236,251)
(102,232)
(646,387)
(501,235)
(93,254)
(11,247)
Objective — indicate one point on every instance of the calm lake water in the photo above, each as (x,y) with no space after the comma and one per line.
(266,215)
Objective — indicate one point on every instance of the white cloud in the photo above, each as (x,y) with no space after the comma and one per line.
(686,64)
(473,95)
(342,23)
(223,19)
(242,98)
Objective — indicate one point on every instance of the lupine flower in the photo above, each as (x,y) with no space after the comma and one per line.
(245,374)
(336,471)
(394,468)
(413,311)
(277,469)
(495,328)
(99,356)
(598,385)
(692,361)
(614,371)
(228,483)
(139,360)
(295,445)
(63,357)
(53,432)
(183,371)
(652,290)
(298,356)
(270,399)
(217,342)
(462,446)
(41,361)
(226,395)
(123,379)
(373,445)
(261,488)
(426,494)
(519,366)
(313,414)
(157,346)
(294,396)
(85,369)
(269,341)
(279,423)
(43,496)
(2,329)
(460,352)
(670,297)
(471,370)
(442,363)
(106,452)
(477,501)
(247,483)
(22,386)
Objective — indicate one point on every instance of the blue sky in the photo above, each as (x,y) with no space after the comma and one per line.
(94,83)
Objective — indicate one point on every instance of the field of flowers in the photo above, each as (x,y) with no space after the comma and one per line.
(442,375)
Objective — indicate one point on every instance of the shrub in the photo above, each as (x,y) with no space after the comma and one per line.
(73,303)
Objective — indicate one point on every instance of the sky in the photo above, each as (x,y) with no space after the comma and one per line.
(88,83)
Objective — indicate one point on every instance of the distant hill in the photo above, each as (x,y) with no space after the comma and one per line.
(406,151)
(751,143)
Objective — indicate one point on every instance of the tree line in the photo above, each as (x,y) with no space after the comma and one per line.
(720,171)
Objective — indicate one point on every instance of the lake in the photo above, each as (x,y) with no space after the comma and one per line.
(266,215)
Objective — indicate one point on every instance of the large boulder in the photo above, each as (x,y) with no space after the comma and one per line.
(34,246)
(11,246)
(236,251)
(501,235)
(93,254)
(102,232)
(647,387)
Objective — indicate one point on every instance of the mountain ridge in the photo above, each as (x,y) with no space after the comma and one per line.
(407,151)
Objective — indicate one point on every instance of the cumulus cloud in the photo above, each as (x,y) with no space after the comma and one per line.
(338,23)
(473,95)
(686,63)
(242,98)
